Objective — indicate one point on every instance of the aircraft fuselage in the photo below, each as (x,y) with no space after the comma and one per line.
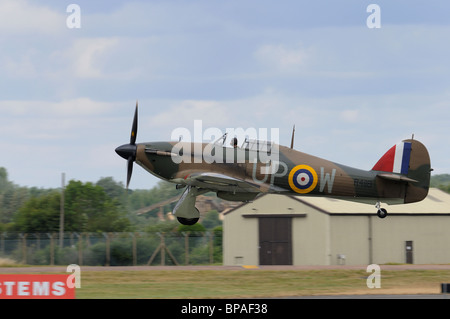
(293,172)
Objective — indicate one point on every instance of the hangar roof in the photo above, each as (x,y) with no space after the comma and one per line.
(437,202)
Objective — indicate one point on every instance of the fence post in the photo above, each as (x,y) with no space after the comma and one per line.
(24,248)
(52,249)
(163,251)
(162,248)
(211,248)
(186,248)
(80,248)
(133,236)
(38,240)
(2,243)
(88,242)
(108,255)
(71,239)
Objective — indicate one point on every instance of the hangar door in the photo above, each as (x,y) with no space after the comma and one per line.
(275,241)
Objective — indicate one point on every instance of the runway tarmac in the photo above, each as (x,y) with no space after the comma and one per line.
(431,296)
(54,269)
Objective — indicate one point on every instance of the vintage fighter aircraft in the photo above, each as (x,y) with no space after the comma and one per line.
(402,175)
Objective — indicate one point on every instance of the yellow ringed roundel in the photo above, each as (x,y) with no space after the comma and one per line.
(303,179)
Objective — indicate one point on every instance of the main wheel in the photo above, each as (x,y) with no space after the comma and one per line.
(382,213)
(187,221)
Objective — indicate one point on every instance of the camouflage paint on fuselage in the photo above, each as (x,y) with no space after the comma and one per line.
(292,172)
(402,175)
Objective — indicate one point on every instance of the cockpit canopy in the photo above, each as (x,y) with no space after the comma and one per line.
(248,144)
(257,145)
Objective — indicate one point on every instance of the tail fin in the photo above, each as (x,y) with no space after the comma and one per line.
(396,160)
(410,159)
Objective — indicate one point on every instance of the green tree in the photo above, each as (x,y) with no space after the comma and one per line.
(87,208)
(113,189)
(4,183)
(211,219)
(39,214)
(12,197)
(94,209)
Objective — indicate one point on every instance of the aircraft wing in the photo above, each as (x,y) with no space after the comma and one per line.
(222,182)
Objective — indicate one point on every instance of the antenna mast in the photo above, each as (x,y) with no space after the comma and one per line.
(292,138)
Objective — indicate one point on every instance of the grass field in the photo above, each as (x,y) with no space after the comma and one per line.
(252,283)
(237,282)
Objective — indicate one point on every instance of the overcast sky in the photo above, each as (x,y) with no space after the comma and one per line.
(68,94)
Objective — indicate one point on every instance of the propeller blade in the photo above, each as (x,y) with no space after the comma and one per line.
(129,151)
(129,170)
(135,126)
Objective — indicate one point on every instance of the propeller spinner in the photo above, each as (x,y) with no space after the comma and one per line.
(128,151)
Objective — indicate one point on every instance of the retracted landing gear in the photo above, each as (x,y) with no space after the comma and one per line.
(381,212)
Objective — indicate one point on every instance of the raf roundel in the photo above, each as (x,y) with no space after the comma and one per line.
(303,179)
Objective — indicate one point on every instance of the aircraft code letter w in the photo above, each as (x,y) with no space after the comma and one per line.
(326,179)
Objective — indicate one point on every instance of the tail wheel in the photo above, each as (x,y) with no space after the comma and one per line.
(382,213)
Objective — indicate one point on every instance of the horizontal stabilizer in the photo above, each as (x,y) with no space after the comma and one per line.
(394,177)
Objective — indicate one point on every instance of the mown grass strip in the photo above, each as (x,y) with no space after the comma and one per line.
(251,283)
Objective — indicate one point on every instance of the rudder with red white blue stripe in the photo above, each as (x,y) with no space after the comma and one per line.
(396,159)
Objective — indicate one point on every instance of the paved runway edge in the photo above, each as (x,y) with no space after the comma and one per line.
(56,269)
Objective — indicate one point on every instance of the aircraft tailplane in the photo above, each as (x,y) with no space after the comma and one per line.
(410,159)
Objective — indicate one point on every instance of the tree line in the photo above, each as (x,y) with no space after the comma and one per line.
(104,206)
(441,181)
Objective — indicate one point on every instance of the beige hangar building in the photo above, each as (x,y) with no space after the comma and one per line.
(299,230)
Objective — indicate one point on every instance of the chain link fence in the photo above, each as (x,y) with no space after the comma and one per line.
(113,249)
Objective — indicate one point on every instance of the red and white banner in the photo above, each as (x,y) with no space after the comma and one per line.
(37,287)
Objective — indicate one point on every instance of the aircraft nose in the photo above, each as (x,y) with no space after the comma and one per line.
(126,151)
